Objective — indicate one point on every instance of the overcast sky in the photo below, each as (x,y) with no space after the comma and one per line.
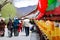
(24,3)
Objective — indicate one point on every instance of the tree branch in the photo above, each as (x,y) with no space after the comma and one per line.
(4,3)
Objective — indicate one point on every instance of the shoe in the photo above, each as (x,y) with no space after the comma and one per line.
(27,35)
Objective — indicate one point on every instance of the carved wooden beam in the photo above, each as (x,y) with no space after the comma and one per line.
(33,12)
(53,18)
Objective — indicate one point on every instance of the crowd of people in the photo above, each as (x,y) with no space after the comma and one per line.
(15,26)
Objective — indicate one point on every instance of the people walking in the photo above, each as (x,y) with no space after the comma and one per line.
(20,26)
(15,26)
(10,28)
(2,27)
(26,25)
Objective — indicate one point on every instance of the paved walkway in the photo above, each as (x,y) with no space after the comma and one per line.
(32,36)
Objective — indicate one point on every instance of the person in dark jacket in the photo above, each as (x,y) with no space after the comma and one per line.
(15,26)
(10,27)
(2,27)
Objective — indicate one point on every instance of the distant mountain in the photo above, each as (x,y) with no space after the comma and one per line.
(25,10)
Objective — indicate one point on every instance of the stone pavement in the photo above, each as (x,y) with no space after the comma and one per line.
(32,36)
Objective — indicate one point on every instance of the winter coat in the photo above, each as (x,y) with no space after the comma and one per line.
(15,23)
(19,27)
(2,25)
(10,25)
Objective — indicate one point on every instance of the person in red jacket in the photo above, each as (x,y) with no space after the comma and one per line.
(20,26)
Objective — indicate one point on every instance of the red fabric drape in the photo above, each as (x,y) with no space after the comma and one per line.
(56,11)
(42,5)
